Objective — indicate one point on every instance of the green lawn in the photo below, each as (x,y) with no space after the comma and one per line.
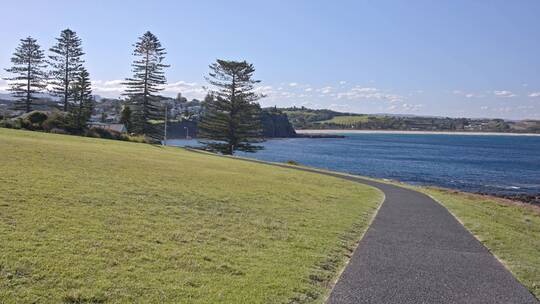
(510,231)
(347,120)
(86,220)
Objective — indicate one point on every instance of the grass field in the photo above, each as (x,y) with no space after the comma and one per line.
(85,220)
(347,120)
(511,231)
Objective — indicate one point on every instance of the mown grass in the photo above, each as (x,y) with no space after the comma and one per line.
(511,231)
(85,220)
(347,120)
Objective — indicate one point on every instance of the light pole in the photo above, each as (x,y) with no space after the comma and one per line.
(187,132)
(165,125)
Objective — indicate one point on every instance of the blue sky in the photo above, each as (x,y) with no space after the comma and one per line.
(451,58)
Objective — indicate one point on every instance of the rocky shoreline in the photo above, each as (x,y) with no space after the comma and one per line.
(319,135)
(532,199)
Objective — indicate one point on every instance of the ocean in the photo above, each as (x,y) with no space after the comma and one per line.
(474,163)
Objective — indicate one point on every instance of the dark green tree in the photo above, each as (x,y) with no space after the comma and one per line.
(30,77)
(143,88)
(231,120)
(66,63)
(83,104)
(125,117)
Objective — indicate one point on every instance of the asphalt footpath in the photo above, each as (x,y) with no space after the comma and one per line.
(415,251)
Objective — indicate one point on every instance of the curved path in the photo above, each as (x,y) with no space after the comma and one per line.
(415,251)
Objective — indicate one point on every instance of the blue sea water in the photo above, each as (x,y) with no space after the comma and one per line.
(475,163)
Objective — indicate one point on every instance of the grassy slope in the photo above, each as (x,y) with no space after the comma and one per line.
(510,231)
(88,220)
(347,120)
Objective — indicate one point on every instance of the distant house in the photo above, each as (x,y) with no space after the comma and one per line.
(118,127)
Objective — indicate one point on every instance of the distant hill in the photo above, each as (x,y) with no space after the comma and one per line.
(6,96)
(304,118)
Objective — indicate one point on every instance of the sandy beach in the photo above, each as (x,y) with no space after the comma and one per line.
(341,131)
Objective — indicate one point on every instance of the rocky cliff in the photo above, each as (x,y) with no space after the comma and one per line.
(274,123)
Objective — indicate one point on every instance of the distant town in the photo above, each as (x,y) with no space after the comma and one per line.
(184,114)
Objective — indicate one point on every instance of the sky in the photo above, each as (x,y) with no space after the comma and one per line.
(446,58)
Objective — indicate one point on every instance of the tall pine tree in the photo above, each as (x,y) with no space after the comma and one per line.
(83,104)
(143,88)
(232,117)
(30,76)
(65,62)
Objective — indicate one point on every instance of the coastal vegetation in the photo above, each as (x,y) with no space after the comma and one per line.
(305,118)
(86,220)
(66,65)
(143,87)
(508,228)
(28,73)
(229,118)
(232,120)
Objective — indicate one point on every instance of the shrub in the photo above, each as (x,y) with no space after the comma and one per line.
(10,123)
(32,121)
(105,133)
(58,131)
(138,139)
(58,120)
(36,117)
(293,163)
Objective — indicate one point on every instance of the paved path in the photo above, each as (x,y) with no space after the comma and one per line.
(415,251)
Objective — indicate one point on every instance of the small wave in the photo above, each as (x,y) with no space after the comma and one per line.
(502,187)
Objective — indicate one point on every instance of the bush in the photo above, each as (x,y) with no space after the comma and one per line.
(58,131)
(105,133)
(58,120)
(33,120)
(293,163)
(138,139)
(36,117)
(11,123)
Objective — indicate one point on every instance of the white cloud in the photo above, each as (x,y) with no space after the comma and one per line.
(325,90)
(411,107)
(358,92)
(265,90)
(340,107)
(404,107)
(108,88)
(534,94)
(416,92)
(308,89)
(188,89)
(484,108)
(343,82)
(467,94)
(293,84)
(115,88)
(503,109)
(504,93)
(3,84)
